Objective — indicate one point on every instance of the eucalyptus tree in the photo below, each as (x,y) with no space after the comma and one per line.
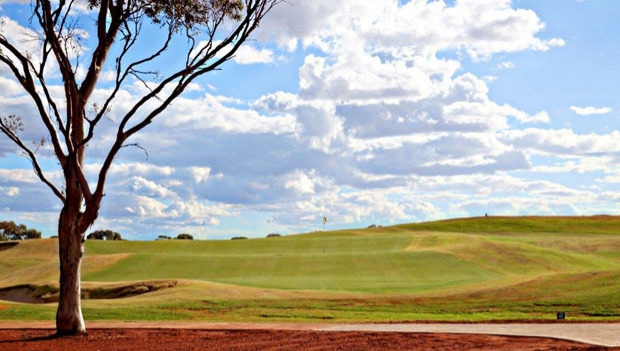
(77,40)
(12,231)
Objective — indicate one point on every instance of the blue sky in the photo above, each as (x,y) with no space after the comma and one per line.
(365,112)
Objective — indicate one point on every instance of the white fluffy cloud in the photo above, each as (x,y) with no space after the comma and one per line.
(590,110)
(247,55)
(480,28)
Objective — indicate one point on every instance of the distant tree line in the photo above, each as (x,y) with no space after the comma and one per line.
(183,236)
(12,231)
(104,235)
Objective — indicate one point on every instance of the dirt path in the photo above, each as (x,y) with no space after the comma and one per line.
(113,336)
(281,340)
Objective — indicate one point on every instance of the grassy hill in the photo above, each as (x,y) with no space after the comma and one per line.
(466,269)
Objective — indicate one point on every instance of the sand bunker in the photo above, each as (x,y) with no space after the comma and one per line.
(38,294)
(23,294)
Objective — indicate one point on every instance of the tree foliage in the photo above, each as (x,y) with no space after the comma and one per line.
(185,236)
(12,231)
(104,235)
(189,14)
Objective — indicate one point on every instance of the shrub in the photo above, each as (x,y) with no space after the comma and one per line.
(238,238)
(273,235)
(185,236)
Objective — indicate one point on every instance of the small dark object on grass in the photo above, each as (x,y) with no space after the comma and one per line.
(561,315)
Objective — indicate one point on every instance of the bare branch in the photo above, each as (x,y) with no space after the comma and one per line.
(52,104)
(139,147)
(9,126)
(255,11)
(47,20)
(25,79)
(129,70)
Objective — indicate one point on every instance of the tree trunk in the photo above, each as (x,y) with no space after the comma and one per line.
(69,320)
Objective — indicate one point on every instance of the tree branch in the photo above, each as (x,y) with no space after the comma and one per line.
(10,131)
(255,11)
(25,79)
(47,20)
(129,70)
(105,40)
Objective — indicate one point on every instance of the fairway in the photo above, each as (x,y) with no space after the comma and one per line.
(330,262)
(496,268)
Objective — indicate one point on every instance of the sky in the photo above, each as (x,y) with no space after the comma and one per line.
(363,112)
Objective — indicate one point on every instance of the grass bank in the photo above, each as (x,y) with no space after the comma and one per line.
(488,268)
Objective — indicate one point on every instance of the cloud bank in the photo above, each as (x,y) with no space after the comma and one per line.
(385,124)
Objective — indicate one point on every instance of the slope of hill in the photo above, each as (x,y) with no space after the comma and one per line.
(479,268)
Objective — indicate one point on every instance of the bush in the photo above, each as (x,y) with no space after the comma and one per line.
(238,238)
(185,237)
(273,235)
(163,237)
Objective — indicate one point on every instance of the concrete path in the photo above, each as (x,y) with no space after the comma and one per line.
(602,334)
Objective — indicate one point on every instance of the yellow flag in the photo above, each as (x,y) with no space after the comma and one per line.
(324,220)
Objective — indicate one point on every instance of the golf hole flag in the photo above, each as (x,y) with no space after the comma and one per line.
(324,220)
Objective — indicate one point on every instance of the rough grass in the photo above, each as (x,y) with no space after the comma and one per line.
(601,224)
(503,268)
(32,261)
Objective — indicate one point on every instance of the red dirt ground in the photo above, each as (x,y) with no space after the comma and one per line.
(249,340)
